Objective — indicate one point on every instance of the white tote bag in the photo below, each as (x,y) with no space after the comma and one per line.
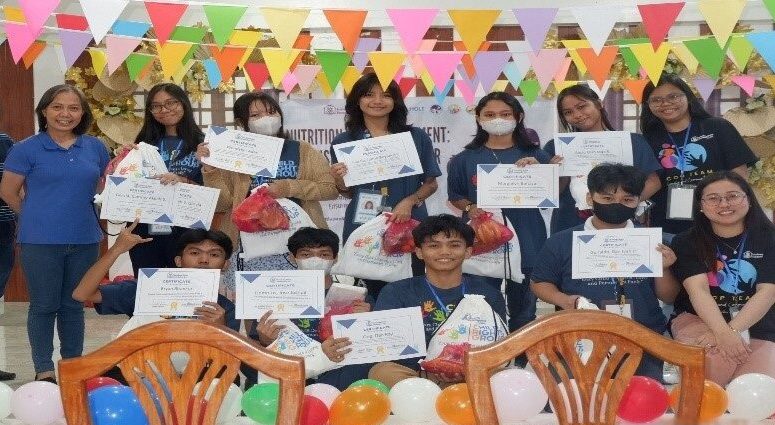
(274,242)
(504,262)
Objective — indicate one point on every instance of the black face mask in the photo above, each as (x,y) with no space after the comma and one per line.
(613,213)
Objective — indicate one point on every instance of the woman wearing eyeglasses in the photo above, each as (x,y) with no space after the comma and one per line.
(169,125)
(689,144)
(726,263)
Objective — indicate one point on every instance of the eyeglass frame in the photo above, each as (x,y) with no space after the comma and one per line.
(170,105)
(670,99)
(717,199)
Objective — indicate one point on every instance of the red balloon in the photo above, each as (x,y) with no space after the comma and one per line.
(313,411)
(643,401)
(100,381)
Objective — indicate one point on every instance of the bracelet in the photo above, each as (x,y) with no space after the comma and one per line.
(419,200)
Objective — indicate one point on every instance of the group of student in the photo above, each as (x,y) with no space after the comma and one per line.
(716,268)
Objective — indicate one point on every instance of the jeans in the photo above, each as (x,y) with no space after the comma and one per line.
(52,273)
(7,230)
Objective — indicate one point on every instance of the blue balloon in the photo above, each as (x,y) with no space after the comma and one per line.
(116,405)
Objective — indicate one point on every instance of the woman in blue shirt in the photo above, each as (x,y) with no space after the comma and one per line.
(501,138)
(169,125)
(59,170)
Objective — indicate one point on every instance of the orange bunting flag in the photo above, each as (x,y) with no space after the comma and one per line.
(635,87)
(599,66)
(32,53)
(347,24)
(228,59)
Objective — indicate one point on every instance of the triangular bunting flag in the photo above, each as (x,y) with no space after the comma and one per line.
(597,23)
(73,44)
(347,25)
(386,65)
(361,54)
(228,59)
(416,60)
(257,74)
(562,85)
(562,71)
(769,79)
(305,75)
(350,76)
(213,73)
(600,90)
(705,86)
(472,81)
(20,38)
(739,51)
(467,59)
(546,64)
(535,23)
(411,25)
(223,20)
(427,81)
(440,65)
(164,17)
(101,15)
(573,47)
(193,35)
(466,90)
(32,53)
(278,62)
(323,84)
(441,96)
(333,62)
(658,18)
(489,66)
(514,74)
(289,82)
(721,16)
(67,21)
(99,59)
(764,43)
(136,63)
(500,85)
(653,62)
(599,66)
(406,85)
(130,28)
(118,48)
(473,26)
(36,12)
(746,82)
(708,53)
(530,90)
(246,39)
(685,56)
(632,63)
(286,24)
(171,56)
(178,76)
(635,87)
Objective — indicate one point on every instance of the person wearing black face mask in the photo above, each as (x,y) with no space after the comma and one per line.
(613,194)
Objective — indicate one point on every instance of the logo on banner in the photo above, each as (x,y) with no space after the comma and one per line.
(453,109)
(333,110)
(436,109)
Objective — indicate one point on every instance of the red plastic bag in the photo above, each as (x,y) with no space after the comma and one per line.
(259,212)
(325,329)
(398,239)
(113,164)
(449,362)
(489,233)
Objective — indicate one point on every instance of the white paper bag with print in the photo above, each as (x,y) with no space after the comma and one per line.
(504,262)
(274,242)
(145,161)
(362,256)
(293,342)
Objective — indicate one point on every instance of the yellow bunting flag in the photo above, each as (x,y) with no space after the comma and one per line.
(247,39)
(721,16)
(350,76)
(473,26)
(278,62)
(685,56)
(561,85)
(769,79)
(653,62)
(323,83)
(181,73)
(386,65)
(500,85)
(427,81)
(573,46)
(171,56)
(286,24)
(13,14)
(99,59)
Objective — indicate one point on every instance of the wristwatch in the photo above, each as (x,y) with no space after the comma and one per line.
(468,207)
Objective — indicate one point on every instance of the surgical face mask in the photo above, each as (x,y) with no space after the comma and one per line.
(268,125)
(613,213)
(314,263)
(498,126)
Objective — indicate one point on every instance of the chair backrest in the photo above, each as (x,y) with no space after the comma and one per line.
(618,345)
(168,397)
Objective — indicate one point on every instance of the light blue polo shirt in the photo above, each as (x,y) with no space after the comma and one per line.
(59,189)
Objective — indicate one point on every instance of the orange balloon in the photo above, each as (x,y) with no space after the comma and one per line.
(454,405)
(712,405)
(362,405)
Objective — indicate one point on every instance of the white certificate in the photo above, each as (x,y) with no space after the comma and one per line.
(379,158)
(381,336)
(509,186)
(181,204)
(175,292)
(243,152)
(290,294)
(617,253)
(583,151)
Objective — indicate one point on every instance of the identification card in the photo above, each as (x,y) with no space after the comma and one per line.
(615,307)
(368,206)
(680,201)
(159,229)
(733,311)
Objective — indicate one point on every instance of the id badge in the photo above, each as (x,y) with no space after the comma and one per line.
(369,205)
(680,201)
(733,311)
(159,229)
(615,307)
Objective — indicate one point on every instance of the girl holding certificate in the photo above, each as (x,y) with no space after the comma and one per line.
(502,138)
(580,110)
(169,125)
(689,144)
(726,263)
(372,112)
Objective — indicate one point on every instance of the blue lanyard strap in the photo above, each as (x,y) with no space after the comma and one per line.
(682,150)
(740,249)
(619,295)
(435,294)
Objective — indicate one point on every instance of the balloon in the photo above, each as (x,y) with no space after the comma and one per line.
(5,400)
(260,403)
(518,395)
(712,405)
(371,383)
(116,405)
(323,392)
(454,405)
(362,405)
(413,399)
(37,403)
(751,396)
(643,401)
(313,411)
(100,381)
(230,407)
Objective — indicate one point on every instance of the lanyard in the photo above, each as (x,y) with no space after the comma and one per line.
(174,153)
(619,295)
(740,249)
(438,299)
(682,150)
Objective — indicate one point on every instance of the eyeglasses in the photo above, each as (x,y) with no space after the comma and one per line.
(670,98)
(505,115)
(732,198)
(169,105)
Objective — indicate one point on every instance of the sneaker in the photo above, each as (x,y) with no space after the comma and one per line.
(7,376)
(47,377)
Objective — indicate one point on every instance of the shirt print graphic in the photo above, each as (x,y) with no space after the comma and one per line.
(285,170)
(695,156)
(733,276)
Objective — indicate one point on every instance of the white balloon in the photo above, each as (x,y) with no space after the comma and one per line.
(323,392)
(414,400)
(230,407)
(752,396)
(5,400)
(37,403)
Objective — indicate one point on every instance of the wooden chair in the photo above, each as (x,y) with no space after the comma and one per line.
(167,396)
(618,345)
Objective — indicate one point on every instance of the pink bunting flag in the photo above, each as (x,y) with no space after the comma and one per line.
(535,23)
(399,74)
(289,81)
(746,82)
(305,75)
(411,25)
(119,47)
(466,90)
(441,65)
(546,64)
(73,44)
(562,71)
(36,12)
(416,61)
(20,38)
(705,86)
(489,66)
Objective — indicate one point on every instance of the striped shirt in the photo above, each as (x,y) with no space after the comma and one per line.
(6,214)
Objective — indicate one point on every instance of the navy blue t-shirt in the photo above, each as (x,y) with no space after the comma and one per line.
(397,189)
(119,298)
(566,215)
(170,149)
(461,184)
(554,266)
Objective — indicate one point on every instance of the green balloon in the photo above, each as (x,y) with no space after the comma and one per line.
(371,383)
(260,403)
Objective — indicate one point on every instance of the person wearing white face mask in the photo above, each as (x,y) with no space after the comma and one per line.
(501,138)
(302,176)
